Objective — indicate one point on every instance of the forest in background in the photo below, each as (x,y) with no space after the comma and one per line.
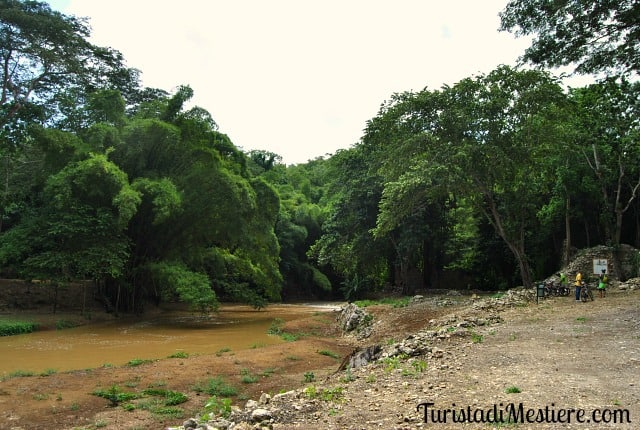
(488,183)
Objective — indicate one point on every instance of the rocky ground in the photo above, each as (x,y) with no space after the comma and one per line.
(563,360)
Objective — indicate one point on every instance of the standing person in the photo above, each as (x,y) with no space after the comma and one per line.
(564,284)
(563,279)
(578,285)
(602,284)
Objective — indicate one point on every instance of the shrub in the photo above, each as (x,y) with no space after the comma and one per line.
(216,387)
(10,328)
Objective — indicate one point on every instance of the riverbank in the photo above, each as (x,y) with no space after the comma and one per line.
(64,400)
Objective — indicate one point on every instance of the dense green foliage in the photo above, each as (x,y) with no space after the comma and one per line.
(10,328)
(595,36)
(483,183)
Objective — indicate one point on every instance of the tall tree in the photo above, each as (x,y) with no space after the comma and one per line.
(595,36)
(496,132)
(42,52)
(608,115)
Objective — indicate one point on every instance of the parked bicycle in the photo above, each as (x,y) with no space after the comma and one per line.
(551,289)
(585,292)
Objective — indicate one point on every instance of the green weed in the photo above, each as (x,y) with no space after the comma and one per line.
(64,324)
(115,395)
(137,362)
(49,372)
(476,338)
(171,398)
(309,377)
(329,353)
(217,407)
(327,394)
(247,377)
(222,351)
(395,302)
(216,387)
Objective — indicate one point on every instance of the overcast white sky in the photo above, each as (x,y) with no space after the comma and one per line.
(300,77)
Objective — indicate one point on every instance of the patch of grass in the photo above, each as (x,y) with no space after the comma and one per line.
(64,324)
(115,395)
(395,302)
(21,374)
(476,338)
(179,354)
(512,390)
(390,364)
(497,295)
(292,358)
(371,378)
(11,328)
(257,345)
(222,351)
(40,396)
(277,329)
(348,376)
(268,372)
(216,387)
(171,398)
(581,319)
(327,394)
(247,377)
(49,372)
(276,326)
(419,365)
(309,377)
(158,407)
(329,354)
(129,407)
(137,362)
(289,337)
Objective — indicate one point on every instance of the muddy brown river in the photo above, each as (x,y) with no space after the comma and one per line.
(116,342)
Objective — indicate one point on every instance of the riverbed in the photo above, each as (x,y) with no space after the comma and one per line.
(119,341)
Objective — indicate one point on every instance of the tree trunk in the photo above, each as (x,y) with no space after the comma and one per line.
(567,229)
(55,297)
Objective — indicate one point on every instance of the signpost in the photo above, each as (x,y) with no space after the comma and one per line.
(599,265)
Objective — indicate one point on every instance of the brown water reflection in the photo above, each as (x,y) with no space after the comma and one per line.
(119,341)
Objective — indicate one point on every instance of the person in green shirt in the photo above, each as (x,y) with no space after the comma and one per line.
(602,284)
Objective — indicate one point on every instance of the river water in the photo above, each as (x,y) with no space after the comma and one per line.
(116,342)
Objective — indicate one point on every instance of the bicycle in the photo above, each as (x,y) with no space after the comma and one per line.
(585,292)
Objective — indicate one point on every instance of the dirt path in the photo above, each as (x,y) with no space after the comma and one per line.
(557,355)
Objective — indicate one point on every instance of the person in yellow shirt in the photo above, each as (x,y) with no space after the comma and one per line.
(578,285)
